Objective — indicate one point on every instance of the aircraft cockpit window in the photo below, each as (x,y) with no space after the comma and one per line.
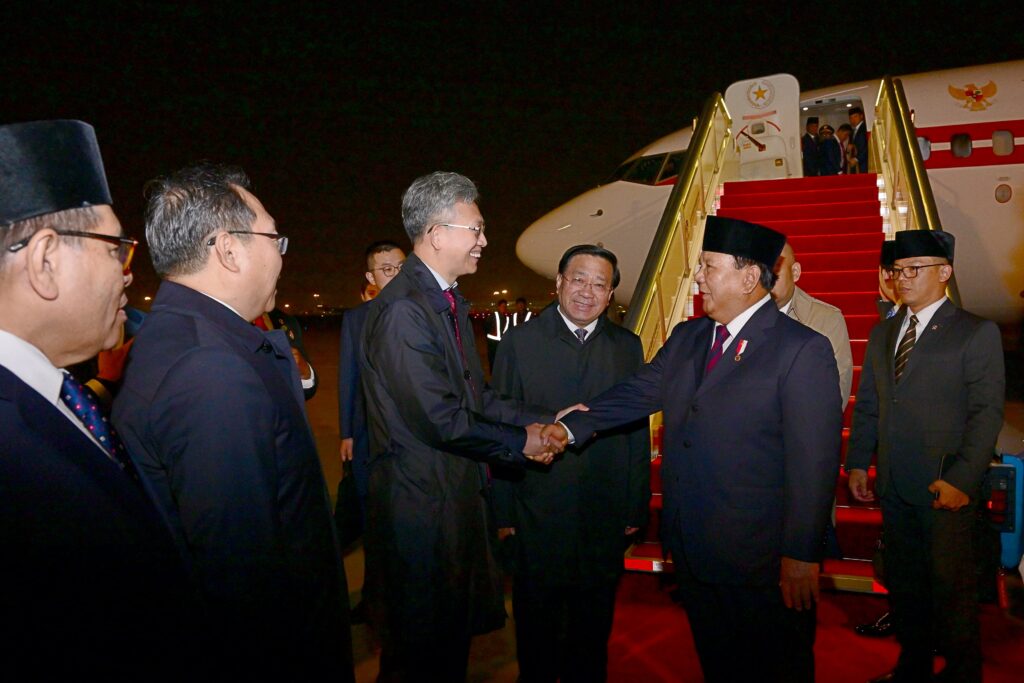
(926,147)
(1002,143)
(621,171)
(645,170)
(961,145)
(672,166)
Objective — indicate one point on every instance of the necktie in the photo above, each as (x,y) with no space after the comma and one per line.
(718,348)
(453,314)
(86,407)
(905,347)
(581,334)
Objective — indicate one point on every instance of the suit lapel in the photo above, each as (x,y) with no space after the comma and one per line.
(891,340)
(753,333)
(937,328)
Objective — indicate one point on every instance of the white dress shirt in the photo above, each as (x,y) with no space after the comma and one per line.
(924,316)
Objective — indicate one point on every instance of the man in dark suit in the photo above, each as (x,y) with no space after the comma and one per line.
(751,456)
(433,423)
(809,147)
(568,523)
(830,153)
(91,576)
(930,401)
(860,138)
(213,410)
(384,261)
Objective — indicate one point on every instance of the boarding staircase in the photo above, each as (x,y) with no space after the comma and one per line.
(836,226)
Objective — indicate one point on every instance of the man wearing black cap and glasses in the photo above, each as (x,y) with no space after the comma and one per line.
(930,401)
(751,456)
(91,578)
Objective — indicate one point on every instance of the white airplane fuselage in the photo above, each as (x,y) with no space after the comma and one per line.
(970,123)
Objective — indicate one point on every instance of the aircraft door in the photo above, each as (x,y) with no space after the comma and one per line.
(766,124)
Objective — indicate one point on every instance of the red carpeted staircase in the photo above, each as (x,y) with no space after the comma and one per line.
(834,225)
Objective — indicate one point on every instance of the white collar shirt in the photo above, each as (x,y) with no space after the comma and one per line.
(924,316)
(737,323)
(573,326)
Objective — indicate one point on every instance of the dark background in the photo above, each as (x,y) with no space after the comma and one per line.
(334,108)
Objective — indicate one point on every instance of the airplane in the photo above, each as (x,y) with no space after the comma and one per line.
(970,128)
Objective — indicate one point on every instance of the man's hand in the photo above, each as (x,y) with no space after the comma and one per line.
(556,436)
(799,583)
(538,448)
(506,531)
(859,486)
(346,450)
(305,372)
(948,497)
(565,411)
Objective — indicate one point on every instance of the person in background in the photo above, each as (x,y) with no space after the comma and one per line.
(844,135)
(497,326)
(522,314)
(289,324)
(860,138)
(830,153)
(93,585)
(809,147)
(568,523)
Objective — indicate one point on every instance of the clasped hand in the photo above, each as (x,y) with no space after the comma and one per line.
(542,444)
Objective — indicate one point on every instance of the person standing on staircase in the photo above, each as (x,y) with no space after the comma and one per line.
(753,418)
(860,138)
(930,402)
(809,147)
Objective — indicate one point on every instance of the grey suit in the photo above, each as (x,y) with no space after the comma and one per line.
(828,320)
(948,404)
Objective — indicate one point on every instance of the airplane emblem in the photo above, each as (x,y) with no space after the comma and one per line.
(973,97)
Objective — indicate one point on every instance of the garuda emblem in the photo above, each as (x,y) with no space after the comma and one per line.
(973,97)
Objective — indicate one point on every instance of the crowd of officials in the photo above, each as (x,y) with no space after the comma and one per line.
(189,535)
(835,151)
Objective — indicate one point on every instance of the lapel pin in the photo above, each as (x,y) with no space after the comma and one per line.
(741,346)
(934,327)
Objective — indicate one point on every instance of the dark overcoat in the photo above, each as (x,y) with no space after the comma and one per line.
(570,517)
(751,450)
(434,424)
(351,404)
(212,411)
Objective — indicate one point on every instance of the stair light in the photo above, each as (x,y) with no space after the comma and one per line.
(882,196)
(880,182)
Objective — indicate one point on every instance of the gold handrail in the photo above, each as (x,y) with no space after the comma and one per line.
(662,295)
(908,194)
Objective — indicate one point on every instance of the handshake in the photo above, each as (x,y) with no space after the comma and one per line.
(544,442)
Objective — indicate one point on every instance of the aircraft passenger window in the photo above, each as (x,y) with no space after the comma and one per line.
(645,170)
(1002,143)
(672,166)
(926,147)
(961,145)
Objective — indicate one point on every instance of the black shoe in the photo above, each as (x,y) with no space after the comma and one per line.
(358,614)
(879,628)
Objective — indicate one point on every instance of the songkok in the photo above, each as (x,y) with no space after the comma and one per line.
(887,256)
(740,238)
(49,166)
(811,119)
(911,243)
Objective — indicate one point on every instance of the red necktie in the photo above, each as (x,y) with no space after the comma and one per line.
(458,336)
(718,348)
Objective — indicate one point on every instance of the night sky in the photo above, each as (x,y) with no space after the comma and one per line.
(333,109)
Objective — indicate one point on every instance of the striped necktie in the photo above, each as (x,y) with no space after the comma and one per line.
(905,347)
(581,334)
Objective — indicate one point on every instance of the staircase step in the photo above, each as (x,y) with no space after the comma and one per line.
(850,303)
(823,196)
(755,214)
(850,575)
(798,184)
(813,244)
(858,530)
(859,326)
(839,281)
(857,347)
(816,226)
(838,260)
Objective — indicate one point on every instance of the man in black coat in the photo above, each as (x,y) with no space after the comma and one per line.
(860,138)
(809,147)
(753,417)
(434,423)
(568,523)
(213,409)
(930,401)
(93,587)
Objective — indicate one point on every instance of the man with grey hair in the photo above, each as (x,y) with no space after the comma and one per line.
(91,577)
(213,410)
(434,424)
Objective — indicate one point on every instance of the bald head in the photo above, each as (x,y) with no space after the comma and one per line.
(789,273)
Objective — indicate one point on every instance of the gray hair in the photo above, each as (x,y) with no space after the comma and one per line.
(432,197)
(768,276)
(184,208)
(82,219)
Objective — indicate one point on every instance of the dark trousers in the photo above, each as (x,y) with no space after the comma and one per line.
(746,633)
(562,633)
(443,659)
(932,580)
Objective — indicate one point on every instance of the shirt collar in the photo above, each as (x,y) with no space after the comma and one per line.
(31,366)
(573,326)
(441,282)
(739,321)
(924,316)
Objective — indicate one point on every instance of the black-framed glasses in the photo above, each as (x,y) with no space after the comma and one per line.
(390,270)
(909,272)
(125,245)
(282,240)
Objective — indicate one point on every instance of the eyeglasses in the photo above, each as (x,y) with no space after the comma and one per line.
(389,270)
(910,272)
(598,288)
(125,245)
(282,241)
(477,229)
